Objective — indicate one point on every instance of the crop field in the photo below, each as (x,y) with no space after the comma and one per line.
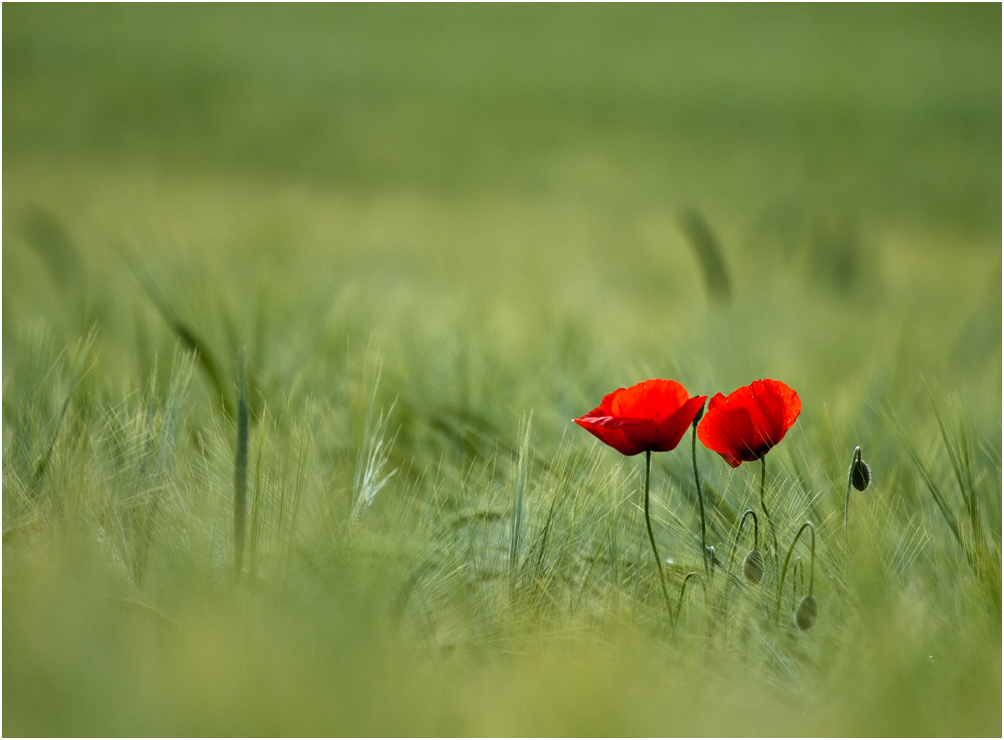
(299,304)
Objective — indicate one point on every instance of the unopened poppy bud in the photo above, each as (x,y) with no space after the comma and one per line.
(753,567)
(861,476)
(700,414)
(806,613)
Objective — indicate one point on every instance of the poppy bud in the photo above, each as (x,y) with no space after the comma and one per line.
(806,613)
(861,476)
(700,414)
(753,567)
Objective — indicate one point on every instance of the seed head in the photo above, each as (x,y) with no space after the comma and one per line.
(806,613)
(753,567)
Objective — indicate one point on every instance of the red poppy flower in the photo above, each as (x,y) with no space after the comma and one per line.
(652,416)
(744,425)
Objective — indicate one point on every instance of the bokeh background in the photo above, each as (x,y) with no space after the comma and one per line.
(540,159)
(493,210)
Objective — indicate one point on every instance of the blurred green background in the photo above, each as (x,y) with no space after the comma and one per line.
(529,155)
(891,111)
(457,215)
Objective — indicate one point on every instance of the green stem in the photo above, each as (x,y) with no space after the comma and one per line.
(683,589)
(787,558)
(651,537)
(847,497)
(700,496)
(796,579)
(763,505)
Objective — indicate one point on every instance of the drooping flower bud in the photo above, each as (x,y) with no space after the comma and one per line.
(753,567)
(806,613)
(861,476)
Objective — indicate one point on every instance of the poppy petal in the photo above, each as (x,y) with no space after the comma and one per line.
(744,425)
(715,400)
(653,399)
(627,436)
(671,430)
(652,415)
(735,462)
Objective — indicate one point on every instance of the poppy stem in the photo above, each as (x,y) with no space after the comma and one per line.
(700,496)
(651,537)
(763,505)
(683,590)
(847,498)
(796,580)
(787,558)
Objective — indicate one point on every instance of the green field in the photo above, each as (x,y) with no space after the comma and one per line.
(435,235)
